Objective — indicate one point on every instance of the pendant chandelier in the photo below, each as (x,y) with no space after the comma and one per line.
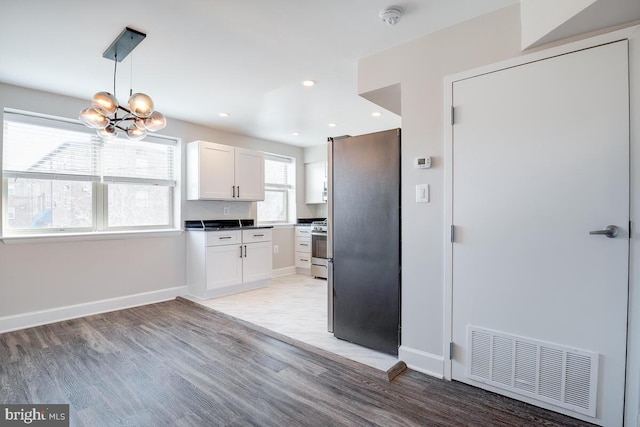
(107,116)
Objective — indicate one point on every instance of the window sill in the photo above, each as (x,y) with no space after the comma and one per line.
(79,237)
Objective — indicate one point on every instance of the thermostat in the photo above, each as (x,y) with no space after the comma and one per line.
(422,162)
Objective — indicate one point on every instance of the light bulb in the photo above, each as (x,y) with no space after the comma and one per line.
(108,132)
(136,134)
(104,102)
(140,123)
(93,118)
(141,105)
(156,121)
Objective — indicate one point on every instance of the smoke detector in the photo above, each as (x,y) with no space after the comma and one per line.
(391,15)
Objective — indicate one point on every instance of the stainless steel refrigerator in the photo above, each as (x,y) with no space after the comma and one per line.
(364,239)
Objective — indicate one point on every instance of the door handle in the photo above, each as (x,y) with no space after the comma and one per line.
(610,231)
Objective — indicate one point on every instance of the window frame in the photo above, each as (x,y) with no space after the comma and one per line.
(99,187)
(289,190)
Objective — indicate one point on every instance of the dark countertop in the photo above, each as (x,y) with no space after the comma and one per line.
(251,227)
(308,221)
(223,225)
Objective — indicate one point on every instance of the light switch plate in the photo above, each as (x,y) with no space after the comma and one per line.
(422,193)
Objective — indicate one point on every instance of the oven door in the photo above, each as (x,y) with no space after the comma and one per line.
(319,255)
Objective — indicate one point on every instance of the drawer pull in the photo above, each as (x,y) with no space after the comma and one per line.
(304,244)
(224,237)
(305,260)
(258,235)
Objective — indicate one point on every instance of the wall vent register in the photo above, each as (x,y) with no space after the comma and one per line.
(560,375)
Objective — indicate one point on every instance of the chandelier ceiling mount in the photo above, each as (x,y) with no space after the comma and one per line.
(140,115)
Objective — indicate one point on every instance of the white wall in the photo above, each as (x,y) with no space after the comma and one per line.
(48,276)
(540,17)
(420,66)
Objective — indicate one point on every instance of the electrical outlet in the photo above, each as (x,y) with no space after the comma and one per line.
(276,249)
(225,210)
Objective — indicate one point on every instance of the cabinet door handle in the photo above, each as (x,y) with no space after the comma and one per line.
(240,251)
(245,251)
(238,191)
(233,187)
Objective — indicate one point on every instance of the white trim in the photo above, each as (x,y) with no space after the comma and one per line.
(233,289)
(43,317)
(421,361)
(632,392)
(79,237)
(286,271)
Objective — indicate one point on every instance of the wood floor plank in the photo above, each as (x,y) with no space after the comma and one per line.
(180,364)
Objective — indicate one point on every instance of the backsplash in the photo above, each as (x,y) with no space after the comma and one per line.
(205,209)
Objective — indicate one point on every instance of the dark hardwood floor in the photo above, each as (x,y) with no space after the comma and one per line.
(177,363)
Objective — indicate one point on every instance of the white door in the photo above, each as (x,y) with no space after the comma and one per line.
(249,174)
(223,266)
(216,171)
(540,159)
(257,262)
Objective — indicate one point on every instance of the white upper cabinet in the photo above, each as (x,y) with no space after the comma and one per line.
(315,178)
(222,172)
(249,174)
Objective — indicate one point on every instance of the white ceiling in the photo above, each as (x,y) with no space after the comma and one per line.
(203,57)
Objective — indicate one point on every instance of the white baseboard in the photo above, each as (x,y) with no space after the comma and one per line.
(421,361)
(37,318)
(230,290)
(279,272)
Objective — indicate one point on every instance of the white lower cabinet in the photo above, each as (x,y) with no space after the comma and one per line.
(303,249)
(226,262)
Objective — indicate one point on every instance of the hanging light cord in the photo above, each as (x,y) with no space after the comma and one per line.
(115,70)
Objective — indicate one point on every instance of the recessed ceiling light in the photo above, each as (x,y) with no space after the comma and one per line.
(308,83)
(295,133)
(332,125)
(376,114)
(224,114)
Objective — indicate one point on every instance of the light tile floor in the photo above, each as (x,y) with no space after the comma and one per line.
(296,306)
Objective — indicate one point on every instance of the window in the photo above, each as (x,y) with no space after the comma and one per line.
(279,185)
(59,176)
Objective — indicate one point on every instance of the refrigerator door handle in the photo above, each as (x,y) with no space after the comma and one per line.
(330,199)
(330,295)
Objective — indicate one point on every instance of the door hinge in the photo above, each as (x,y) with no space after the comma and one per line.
(452,235)
(451,351)
(452,115)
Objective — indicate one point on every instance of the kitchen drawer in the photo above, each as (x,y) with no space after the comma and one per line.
(303,231)
(303,260)
(257,235)
(218,238)
(303,244)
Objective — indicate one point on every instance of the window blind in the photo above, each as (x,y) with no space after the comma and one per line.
(278,172)
(36,151)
